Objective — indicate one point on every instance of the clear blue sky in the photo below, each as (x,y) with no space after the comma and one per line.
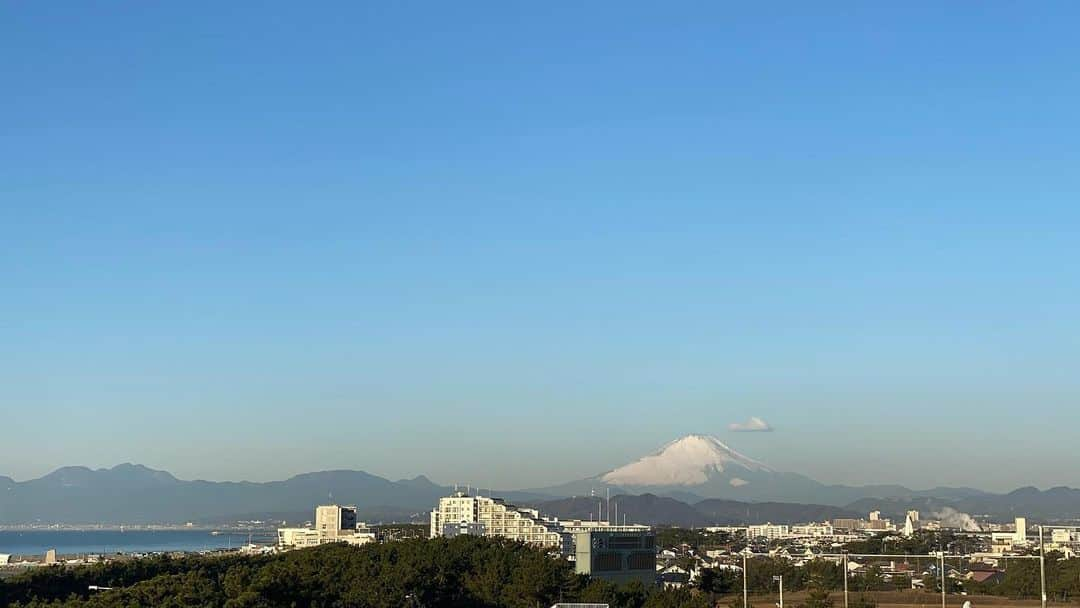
(520,243)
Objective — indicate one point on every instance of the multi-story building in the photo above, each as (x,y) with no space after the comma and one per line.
(880,524)
(332,520)
(463,528)
(333,523)
(852,525)
(574,526)
(847,523)
(1062,536)
(298,538)
(822,530)
(768,531)
(1002,543)
(619,556)
(728,529)
(1020,527)
(499,518)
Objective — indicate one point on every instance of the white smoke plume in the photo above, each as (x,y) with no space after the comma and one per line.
(951,518)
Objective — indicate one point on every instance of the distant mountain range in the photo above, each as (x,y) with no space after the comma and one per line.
(695,480)
(701,466)
(136,494)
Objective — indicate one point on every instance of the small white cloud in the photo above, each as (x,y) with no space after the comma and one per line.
(737,482)
(753,425)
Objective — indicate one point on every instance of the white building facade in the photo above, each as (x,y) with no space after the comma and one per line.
(333,524)
(768,531)
(498,518)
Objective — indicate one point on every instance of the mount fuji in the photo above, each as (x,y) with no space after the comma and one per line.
(693,460)
(695,467)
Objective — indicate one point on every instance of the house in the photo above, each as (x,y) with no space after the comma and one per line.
(674,579)
(984,573)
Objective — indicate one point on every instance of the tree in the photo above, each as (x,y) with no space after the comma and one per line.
(818,595)
(462,572)
(872,579)
(711,580)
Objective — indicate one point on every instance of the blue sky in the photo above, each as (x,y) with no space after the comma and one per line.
(515,244)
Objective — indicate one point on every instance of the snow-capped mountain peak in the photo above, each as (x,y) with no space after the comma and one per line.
(687,461)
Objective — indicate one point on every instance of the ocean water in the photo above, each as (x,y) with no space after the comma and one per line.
(82,542)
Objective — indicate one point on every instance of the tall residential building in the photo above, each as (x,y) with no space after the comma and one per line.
(875,515)
(332,520)
(1020,536)
(497,518)
(849,524)
(333,523)
(768,531)
(913,515)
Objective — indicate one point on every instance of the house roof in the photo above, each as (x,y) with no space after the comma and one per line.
(981,576)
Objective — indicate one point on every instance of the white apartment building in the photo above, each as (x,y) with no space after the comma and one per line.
(728,529)
(768,531)
(573,526)
(298,538)
(333,524)
(1060,536)
(1020,525)
(822,530)
(498,518)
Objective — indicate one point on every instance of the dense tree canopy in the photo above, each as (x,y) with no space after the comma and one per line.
(464,571)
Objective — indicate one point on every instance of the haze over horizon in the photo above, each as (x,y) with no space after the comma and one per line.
(469,482)
(517,246)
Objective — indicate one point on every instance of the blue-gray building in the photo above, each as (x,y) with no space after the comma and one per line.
(619,556)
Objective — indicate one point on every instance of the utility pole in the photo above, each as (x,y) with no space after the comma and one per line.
(745,594)
(845,580)
(781,579)
(1042,566)
(941,577)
